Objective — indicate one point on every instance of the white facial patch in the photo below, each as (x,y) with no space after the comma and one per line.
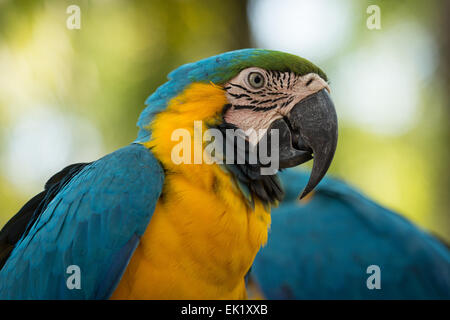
(255,105)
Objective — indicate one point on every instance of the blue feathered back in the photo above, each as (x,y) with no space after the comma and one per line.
(321,249)
(94,222)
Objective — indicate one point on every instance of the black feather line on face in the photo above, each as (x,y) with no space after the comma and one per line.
(226,108)
(238,96)
(275,93)
(254,108)
(245,89)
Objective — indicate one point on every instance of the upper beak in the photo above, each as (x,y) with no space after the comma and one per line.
(310,129)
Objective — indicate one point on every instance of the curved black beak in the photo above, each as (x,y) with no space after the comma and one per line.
(310,129)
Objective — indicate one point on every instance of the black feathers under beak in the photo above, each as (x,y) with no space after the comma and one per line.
(309,130)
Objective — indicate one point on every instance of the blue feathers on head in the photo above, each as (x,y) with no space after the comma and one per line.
(218,69)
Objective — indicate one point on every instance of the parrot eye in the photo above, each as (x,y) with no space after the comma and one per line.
(256,80)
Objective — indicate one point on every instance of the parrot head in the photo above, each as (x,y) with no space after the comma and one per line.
(249,89)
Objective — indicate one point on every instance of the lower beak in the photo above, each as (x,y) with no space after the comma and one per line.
(310,129)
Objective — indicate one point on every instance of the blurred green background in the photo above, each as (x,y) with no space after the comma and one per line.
(74,95)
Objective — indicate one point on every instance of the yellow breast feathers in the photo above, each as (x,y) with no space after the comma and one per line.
(202,238)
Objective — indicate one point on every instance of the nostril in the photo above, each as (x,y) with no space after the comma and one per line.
(309,81)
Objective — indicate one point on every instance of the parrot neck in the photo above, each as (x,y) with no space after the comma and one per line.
(203,237)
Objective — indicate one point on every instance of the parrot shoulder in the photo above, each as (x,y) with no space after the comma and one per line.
(95,218)
(16,227)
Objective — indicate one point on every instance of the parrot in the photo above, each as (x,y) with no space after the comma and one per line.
(331,244)
(171,216)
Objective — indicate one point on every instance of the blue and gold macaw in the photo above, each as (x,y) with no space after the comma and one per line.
(140,224)
(322,246)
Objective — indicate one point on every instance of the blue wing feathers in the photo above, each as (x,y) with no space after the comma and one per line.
(321,249)
(93,222)
(121,258)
